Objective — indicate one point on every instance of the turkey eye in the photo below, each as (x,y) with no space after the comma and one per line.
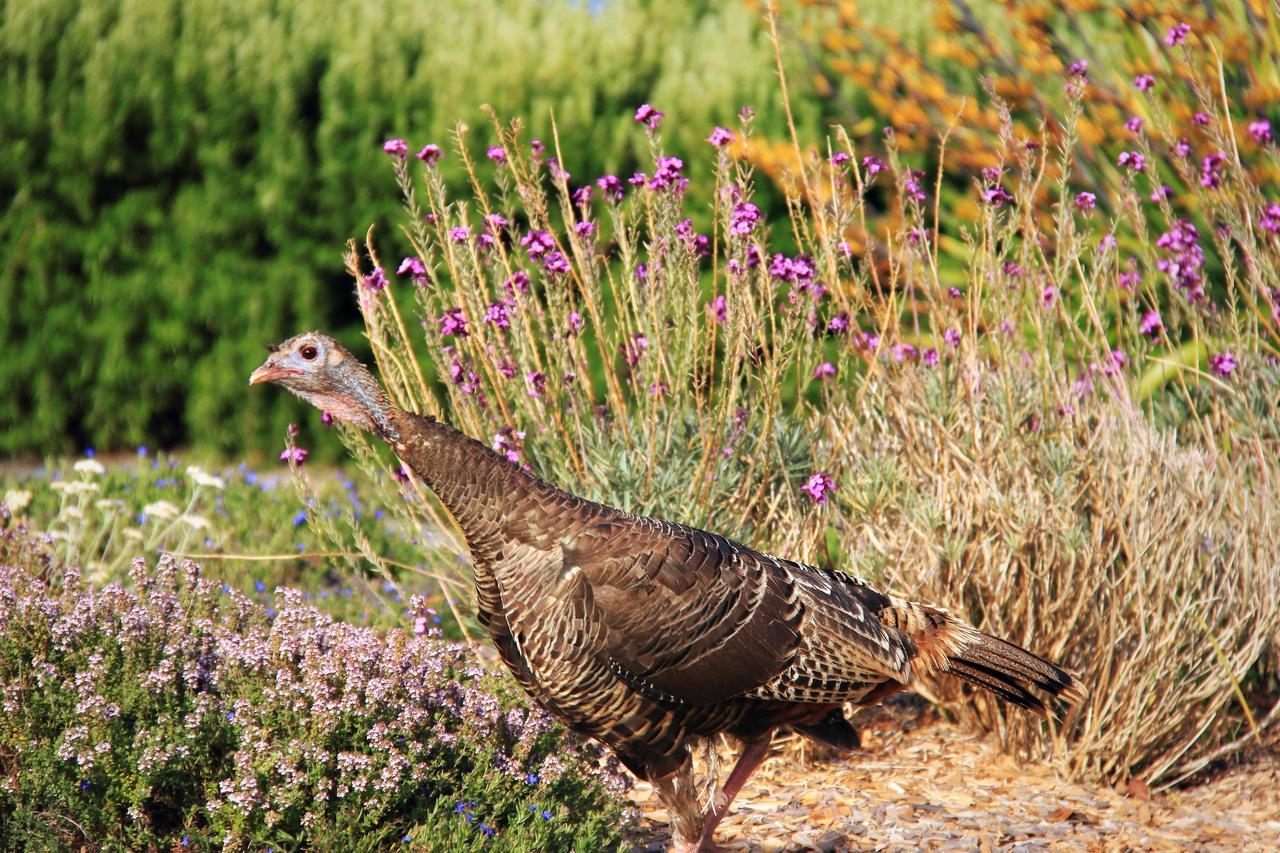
(309,352)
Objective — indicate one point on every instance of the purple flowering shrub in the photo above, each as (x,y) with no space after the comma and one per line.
(175,712)
(999,437)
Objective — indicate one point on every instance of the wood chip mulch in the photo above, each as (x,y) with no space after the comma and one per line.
(919,784)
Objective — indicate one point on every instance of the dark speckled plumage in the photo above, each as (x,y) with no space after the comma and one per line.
(647,634)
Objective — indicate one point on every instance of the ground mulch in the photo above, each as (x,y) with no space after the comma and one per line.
(920,784)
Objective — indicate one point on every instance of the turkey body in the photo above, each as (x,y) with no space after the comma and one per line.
(646,633)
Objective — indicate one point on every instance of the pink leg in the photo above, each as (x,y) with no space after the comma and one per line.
(753,754)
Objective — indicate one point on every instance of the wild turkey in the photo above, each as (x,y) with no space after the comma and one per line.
(648,634)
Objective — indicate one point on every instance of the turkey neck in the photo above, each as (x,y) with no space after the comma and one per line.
(492,498)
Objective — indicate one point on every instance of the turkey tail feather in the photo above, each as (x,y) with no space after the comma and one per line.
(996,665)
(1007,670)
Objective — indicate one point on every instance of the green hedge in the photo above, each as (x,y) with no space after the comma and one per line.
(181,177)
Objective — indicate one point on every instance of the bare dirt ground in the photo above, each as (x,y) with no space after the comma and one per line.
(926,785)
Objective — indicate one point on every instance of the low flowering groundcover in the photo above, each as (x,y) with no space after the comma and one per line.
(174,711)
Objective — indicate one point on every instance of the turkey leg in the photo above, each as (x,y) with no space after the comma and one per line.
(753,754)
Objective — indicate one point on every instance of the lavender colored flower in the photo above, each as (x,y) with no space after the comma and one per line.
(460,233)
(819,487)
(584,229)
(1107,243)
(555,263)
(1086,201)
(1151,324)
(453,322)
(719,308)
(1160,192)
(396,148)
(824,370)
(839,159)
(648,116)
(413,267)
(1261,132)
(1223,363)
(1049,295)
(430,154)
(667,174)
(633,349)
(903,351)
(1184,259)
(498,314)
(930,357)
(536,382)
(326,419)
(538,149)
(1200,118)
(1270,218)
(496,153)
(610,187)
(574,324)
(375,280)
(720,137)
(912,185)
(1130,278)
(996,196)
(1211,168)
(1177,34)
(537,244)
(1182,149)
(294,455)
(744,219)
(873,165)
(952,337)
(1144,82)
(1079,69)
(1133,160)
(517,282)
(1133,124)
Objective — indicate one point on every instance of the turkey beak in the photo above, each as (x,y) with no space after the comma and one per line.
(270,372)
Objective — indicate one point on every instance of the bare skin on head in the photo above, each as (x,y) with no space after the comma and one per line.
(650,635)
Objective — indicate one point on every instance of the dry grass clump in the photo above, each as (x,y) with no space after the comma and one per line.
(1148,567)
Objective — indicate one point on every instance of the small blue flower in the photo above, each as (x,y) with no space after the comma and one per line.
(300,519)
(546,815)
(389,587)
(186,839)
(271,611)
(226,588)
(406,839)
(231,715)
(251,477)
(142,518)
(532,778)
(259,586)
(142,451)
(90,452)
(486,829)
(84,785)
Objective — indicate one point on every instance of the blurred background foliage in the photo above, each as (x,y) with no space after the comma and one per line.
(179,178)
